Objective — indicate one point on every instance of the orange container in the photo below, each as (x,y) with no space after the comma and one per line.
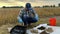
(52,21)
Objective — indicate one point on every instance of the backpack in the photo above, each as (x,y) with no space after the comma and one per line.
(18,30)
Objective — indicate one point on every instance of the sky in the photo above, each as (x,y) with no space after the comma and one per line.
(33,2)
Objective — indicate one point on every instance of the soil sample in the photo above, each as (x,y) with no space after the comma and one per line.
(44,32)
(41,28)
(34,31)
(49,30)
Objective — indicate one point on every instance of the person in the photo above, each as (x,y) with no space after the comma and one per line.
(28,15)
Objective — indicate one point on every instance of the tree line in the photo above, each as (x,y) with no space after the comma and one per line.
(34,6)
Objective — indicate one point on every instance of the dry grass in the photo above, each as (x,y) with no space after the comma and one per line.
(9,15)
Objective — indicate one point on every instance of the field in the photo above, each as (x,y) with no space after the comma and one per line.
(8,17)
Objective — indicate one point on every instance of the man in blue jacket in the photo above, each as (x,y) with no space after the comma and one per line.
(28,15)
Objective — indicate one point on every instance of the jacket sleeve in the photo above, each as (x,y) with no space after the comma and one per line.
(20,13)
(33,11)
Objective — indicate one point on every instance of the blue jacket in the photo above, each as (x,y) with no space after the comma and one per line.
(23,12)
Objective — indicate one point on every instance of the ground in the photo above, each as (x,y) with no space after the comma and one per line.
(4,28)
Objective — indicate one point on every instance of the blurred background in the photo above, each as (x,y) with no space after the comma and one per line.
(9,10)
(33,2)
